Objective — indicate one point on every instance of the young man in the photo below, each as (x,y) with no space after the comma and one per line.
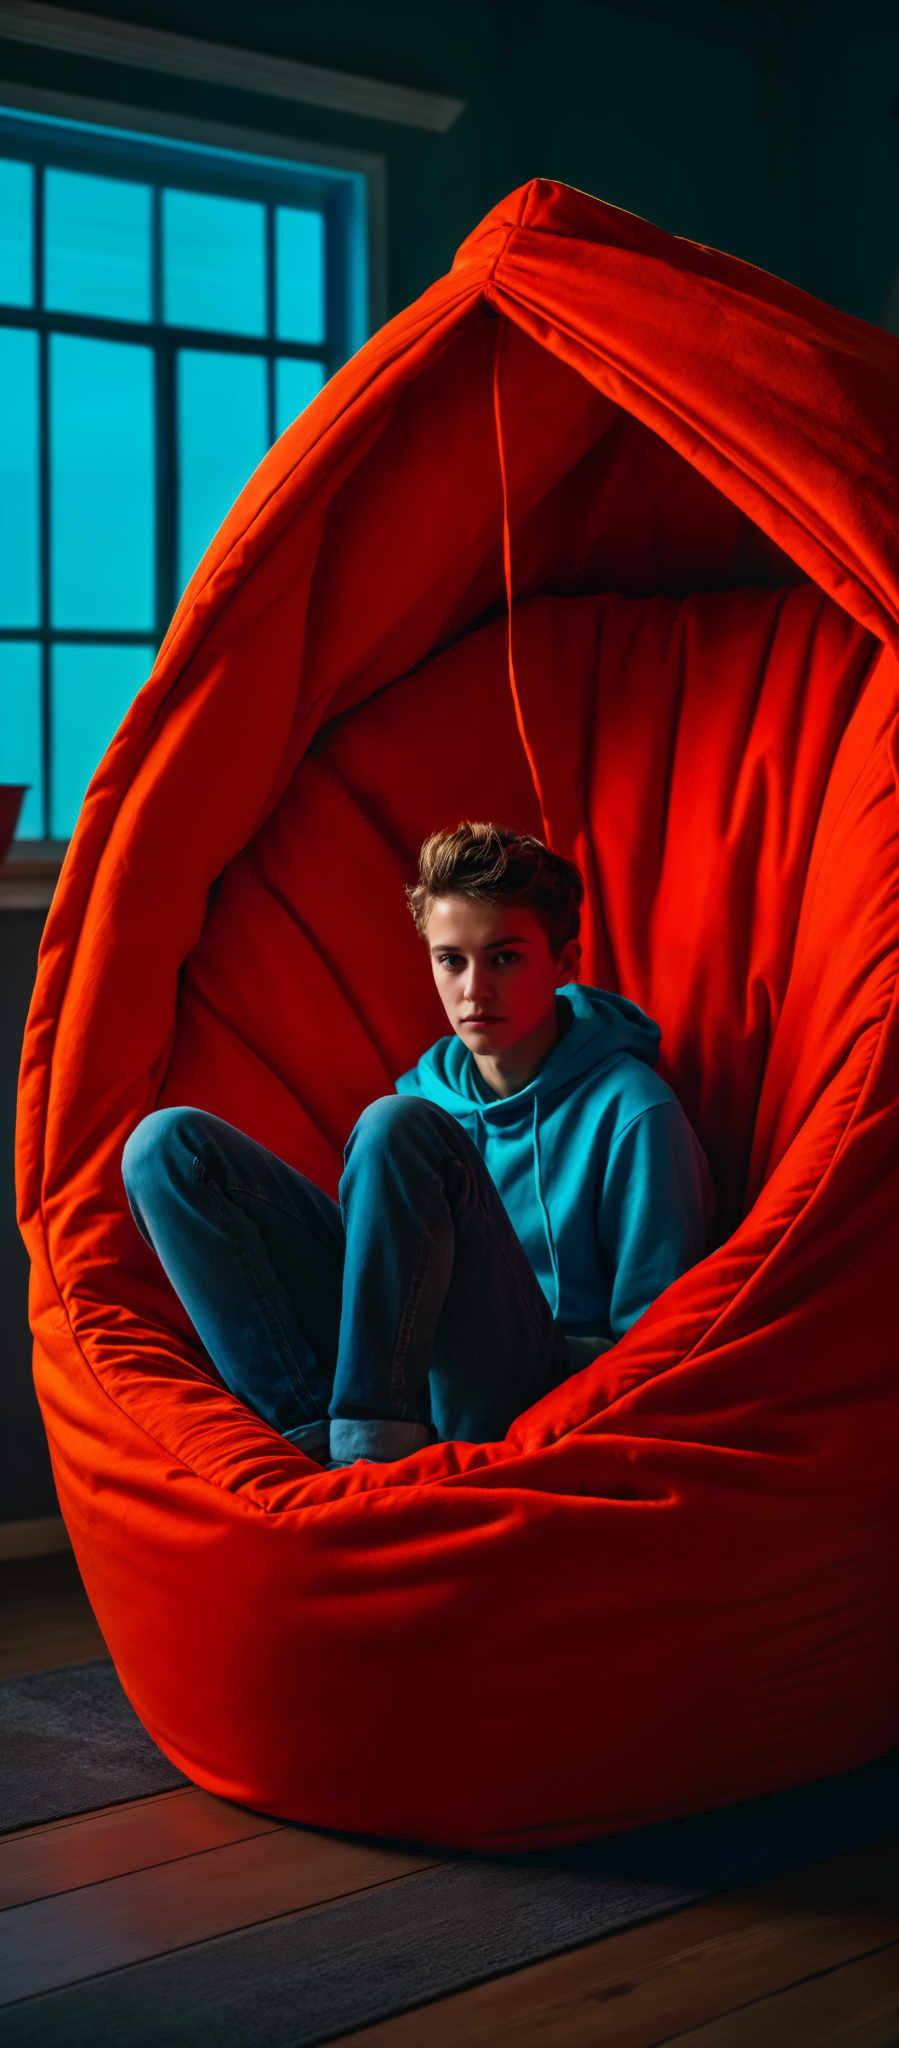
(503,1217)
(602,1176)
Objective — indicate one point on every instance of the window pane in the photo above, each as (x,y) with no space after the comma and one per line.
(222,437)
(20,731)
(98,246)
(300,275)
(19,537)
(213,262)
(16,216)
(91,689)
(103,490)
(295,383)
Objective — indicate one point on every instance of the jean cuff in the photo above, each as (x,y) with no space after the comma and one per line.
(311,1437)
(381,1440)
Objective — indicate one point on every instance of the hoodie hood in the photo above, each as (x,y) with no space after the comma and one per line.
(537,1143)
(603,1026)
(602,1178)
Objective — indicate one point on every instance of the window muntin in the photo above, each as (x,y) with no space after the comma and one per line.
(128,346)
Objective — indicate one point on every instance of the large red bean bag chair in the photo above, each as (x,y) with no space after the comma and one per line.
(598,539)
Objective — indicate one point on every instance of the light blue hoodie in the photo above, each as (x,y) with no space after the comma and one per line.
(599,1170)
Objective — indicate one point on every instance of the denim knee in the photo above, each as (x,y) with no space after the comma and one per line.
(389,1111)
(388,1117)
(152,1139)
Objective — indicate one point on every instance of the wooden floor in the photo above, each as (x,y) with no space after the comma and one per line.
(812,1958)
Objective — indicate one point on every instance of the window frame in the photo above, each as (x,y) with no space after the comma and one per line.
(354,209)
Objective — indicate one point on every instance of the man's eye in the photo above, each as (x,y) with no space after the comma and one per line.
(447,959)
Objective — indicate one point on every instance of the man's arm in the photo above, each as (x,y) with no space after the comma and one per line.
(656,1208)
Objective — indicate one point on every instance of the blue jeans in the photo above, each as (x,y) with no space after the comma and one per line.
(405,1313)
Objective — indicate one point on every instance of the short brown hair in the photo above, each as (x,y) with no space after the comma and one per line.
(486,862)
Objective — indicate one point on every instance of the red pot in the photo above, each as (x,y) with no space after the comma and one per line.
(11,794)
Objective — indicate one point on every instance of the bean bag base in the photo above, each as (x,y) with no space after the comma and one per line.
(597,539)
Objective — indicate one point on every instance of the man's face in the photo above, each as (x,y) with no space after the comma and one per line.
(495,958)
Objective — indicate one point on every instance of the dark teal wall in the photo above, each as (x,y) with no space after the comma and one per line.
(766,131)
(763,130)
(845,61)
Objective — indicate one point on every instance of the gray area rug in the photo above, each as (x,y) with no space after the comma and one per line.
(307,1976)
(69,1740)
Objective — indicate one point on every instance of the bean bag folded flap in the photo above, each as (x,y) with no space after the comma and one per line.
(685,339)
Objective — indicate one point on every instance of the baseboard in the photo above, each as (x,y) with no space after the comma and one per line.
(42,1536)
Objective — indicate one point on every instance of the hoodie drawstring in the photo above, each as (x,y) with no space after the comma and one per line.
(543,1208)
(507,564)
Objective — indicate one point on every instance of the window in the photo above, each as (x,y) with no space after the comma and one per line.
(167,308)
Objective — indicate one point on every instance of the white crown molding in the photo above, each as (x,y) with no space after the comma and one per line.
(121,42)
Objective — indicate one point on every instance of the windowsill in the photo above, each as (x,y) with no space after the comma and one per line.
(28,880)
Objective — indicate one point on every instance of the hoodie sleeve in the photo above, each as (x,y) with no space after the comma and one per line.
(656,1207)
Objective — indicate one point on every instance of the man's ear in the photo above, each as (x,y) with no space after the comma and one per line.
(571,953)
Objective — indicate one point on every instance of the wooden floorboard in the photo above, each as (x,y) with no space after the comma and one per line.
(853,2004)
(129,1841)
(87,1849)
(812,1957)
(88,1929)
(47,1617)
